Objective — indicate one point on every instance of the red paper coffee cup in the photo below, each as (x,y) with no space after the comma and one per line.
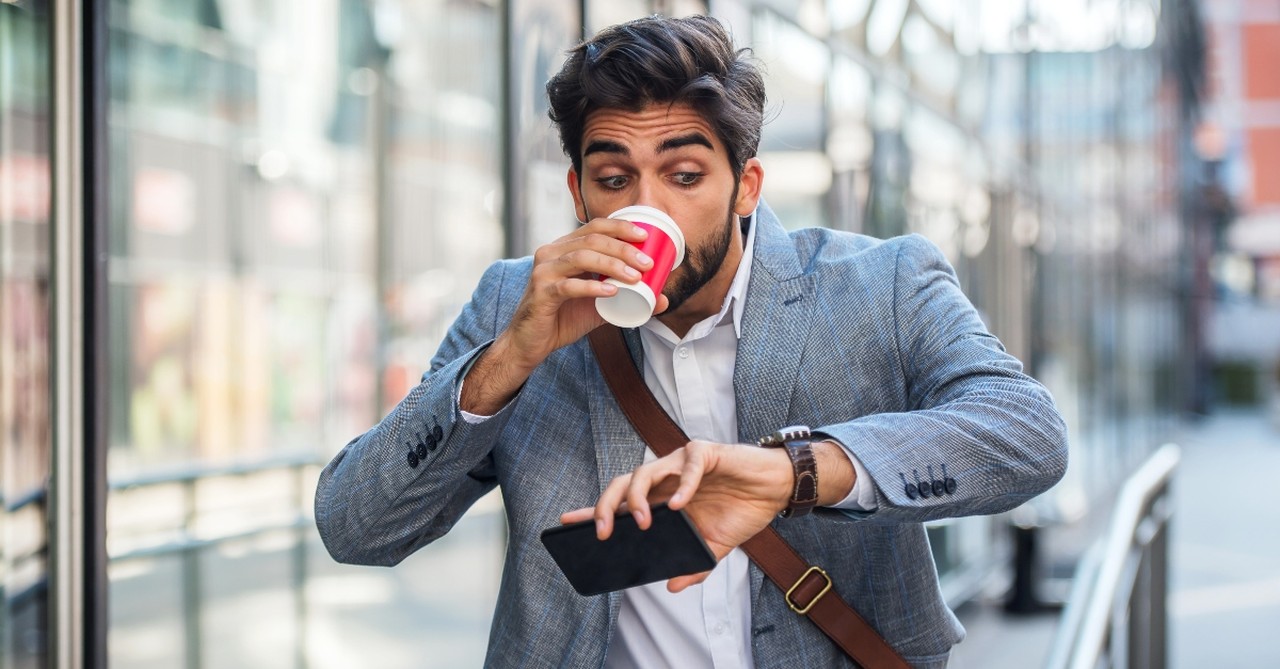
(634,303)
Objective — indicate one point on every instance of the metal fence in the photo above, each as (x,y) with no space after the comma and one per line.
(189,544)
(1117,613)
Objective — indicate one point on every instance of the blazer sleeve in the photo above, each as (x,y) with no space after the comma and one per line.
(375,504)
(982,436)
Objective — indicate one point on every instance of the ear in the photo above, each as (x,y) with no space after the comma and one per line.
(749,187)
(575,189)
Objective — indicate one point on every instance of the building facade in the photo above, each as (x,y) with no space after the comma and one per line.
(232,233)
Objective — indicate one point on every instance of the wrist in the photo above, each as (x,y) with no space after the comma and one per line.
(796,443)
(836,474)
(511,355)
(784,481)
(493,381)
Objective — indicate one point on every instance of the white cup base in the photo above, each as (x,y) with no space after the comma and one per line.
(630,307)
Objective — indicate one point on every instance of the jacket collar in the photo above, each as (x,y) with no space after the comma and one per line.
(775,253)
(779,308)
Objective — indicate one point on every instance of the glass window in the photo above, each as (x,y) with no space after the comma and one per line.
(541,208)
(849,141)
(890,165)
(798,172)
(604,13)
(25,347)
(301,199)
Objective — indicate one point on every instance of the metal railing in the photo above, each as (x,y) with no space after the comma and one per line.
(1117,613)
(189,547)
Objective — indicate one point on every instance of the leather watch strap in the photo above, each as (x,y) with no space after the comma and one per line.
(798,442)
(807,589)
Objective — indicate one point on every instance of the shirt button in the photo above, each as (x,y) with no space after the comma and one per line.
(719,628)
(683,352)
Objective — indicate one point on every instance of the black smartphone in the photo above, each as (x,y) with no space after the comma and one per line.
(630,556)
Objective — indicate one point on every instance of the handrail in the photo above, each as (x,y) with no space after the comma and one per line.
(295,462)
(1124,571)
(188,547)
(196,472)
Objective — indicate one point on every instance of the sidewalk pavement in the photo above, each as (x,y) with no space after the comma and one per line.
(1224,607)
(1225,562)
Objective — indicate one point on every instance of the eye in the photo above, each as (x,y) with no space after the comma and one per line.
(613,183)
(687,178)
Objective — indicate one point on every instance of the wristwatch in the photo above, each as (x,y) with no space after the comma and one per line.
(798,441)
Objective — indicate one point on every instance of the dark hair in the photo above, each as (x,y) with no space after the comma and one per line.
(657,59)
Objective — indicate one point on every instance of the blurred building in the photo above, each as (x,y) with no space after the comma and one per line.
(1239,141)
(1241,129)
(232,233)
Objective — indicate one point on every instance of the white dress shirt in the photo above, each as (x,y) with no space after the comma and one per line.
(707,625)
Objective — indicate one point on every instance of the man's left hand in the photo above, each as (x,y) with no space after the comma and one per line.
(730,491)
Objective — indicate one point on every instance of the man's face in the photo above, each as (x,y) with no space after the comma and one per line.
(669,158)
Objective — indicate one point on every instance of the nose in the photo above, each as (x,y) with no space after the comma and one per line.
(649,194)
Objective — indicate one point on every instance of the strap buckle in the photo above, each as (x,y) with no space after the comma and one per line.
(804,610)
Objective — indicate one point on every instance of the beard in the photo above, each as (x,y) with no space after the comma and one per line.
(700,265)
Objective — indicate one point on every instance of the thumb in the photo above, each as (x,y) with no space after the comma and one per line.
(661,304)
(680,583)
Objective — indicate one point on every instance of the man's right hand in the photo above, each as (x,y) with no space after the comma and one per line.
(557,308)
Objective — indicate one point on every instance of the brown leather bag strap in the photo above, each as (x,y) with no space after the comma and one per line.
(806,588)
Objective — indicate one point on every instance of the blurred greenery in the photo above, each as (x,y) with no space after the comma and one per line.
(1237,383)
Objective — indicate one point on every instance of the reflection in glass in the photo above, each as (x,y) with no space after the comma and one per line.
(299,202)
(541,208)
(601,14)
(798,170)
(25,347)
(885,24)
(845,14)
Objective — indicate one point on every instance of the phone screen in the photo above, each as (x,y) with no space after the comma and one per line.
(670,547)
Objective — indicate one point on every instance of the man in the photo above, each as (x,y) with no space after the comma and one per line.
(918,412)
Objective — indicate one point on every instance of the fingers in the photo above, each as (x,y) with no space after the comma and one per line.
(577,515)
(694,466)
(603,247)
(571,288)
(679,583)
(647,483)
(614,227)
(573,268)
(632,491)
(607,505)
(591,261)
(662,304)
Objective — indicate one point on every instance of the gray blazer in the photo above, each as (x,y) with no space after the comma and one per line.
(871,342)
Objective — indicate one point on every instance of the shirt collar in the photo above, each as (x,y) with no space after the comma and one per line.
(737,297)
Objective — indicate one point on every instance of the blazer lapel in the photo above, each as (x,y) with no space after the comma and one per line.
(775,327)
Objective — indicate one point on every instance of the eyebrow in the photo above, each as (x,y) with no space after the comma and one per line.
(605,146)
(609,146)
(691,139)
